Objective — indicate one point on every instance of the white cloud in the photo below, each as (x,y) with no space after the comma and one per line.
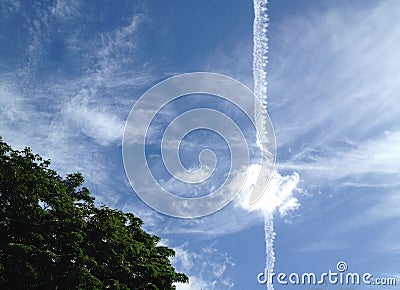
(235,217)
(55,116)
(93,120)
(194,284)
(12,105)
(278,196)
(324,245)
(372,156)
(66,11)
(385,207)
(334,77)
(116,48)
(207,268)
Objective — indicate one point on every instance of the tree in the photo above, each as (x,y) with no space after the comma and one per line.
(53,236)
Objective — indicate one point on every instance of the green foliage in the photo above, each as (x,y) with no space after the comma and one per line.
(52,236)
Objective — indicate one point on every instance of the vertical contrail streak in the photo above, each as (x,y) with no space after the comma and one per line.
(260,49)
(260,61)
(269,247)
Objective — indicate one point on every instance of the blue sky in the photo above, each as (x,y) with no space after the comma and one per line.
(70,72)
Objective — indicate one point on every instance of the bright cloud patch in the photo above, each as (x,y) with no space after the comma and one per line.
(278,196)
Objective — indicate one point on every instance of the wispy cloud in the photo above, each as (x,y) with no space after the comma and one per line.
(380,156)
(281,197)
(207,269)
(92,119)
(334,102)
(70,115)
(335,74)
(384,208)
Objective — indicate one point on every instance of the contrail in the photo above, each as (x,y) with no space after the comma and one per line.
(260,61)
(269,247)
(260,49)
